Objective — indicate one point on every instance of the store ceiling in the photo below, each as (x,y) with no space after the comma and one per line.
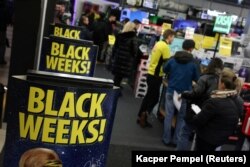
(243,3)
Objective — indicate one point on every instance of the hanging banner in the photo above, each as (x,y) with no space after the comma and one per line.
(225,46)
(223,24)
(66,31)
(56,123)
(68,56)
(189,33)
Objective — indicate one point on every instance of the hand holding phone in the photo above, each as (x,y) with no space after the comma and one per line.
(196,108)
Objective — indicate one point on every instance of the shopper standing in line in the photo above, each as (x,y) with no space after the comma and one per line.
(219,116)
(101,30)
(227,72)
(181,71)
(84,24)
(160,54)
(124,53)
(201,92)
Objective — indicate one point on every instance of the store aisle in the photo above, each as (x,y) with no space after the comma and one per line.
(127,135)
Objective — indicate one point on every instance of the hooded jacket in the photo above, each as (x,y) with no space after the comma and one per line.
(124,54)
(201,92)
(181,70)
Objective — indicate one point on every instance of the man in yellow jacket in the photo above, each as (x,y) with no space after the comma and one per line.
(160,54)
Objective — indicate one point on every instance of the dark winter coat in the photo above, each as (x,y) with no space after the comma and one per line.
(218,119)
(99,32)
(124,54)
(86,34)
(3,19)
(203,89)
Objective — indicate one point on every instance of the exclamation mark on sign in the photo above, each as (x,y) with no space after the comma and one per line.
(102,128)
(88,67)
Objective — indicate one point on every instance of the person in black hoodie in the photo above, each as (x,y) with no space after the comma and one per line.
(124,53)
(219,116)
(207,83)
(201,92)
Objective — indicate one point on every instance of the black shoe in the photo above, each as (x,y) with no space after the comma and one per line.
(148,125)
(169,144)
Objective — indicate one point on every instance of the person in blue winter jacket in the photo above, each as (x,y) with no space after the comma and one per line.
(181,71)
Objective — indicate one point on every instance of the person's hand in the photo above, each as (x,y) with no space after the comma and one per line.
(179,97)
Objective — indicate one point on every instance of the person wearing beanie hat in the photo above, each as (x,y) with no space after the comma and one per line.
(181,71)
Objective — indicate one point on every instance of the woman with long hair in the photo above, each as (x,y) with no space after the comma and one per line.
(219,116)
(124,53)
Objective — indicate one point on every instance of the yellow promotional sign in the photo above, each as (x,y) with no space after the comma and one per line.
(208,42)
(225,46)
(166,26)
(198,41)
(111,39)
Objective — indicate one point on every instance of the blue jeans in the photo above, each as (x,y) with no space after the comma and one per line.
(184,144)
(170,109)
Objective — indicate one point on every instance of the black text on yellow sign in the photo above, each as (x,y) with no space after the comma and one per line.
(69,59)
(67,125)
(67,33)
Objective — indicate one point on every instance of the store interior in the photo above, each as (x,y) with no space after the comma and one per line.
(181,16)
(191,19)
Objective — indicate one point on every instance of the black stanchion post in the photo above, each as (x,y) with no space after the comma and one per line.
(217,44)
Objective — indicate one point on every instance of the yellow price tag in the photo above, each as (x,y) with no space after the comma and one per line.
(208,42)
(111,39)
(225,46)
(166,26)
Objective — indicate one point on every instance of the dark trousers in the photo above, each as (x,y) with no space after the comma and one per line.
(102,52)
(99,56)
(117,80)
(153,94)
(202,145)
